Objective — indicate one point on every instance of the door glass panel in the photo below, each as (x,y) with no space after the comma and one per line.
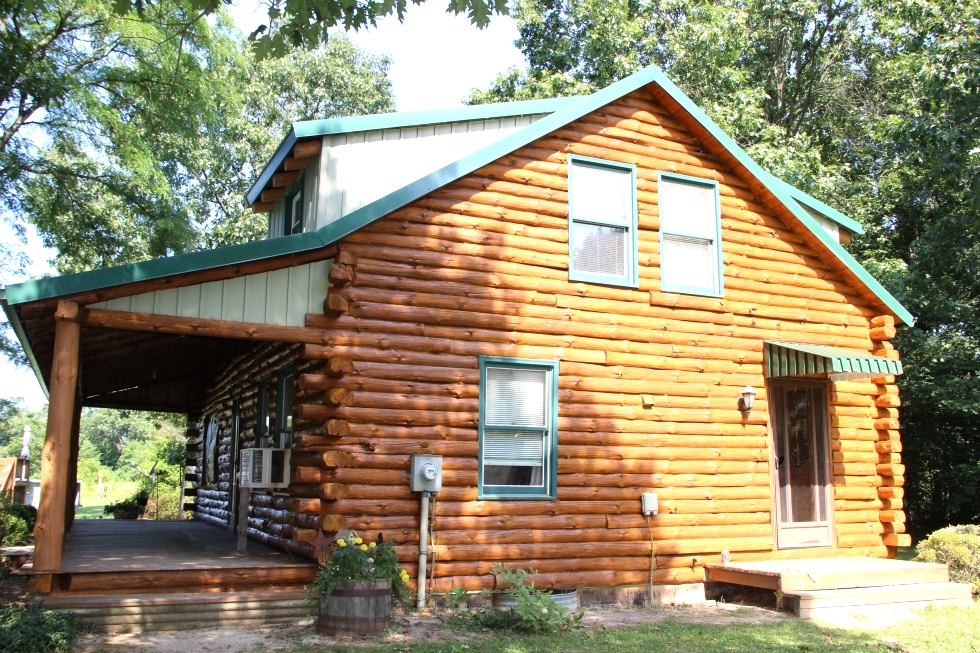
(820,445)
(800,463)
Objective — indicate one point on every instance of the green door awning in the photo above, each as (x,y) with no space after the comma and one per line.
(800,359)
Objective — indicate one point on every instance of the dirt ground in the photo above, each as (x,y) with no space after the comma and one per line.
(422,628)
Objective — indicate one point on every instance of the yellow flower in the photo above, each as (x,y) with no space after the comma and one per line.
(363,547)
(373,544)
(358,540)
(341,543)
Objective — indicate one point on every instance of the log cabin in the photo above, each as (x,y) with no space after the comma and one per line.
(568,303)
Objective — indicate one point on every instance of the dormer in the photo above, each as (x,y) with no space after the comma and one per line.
(326,169)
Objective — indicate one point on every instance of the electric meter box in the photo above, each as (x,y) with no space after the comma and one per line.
(650,504)
(426,473)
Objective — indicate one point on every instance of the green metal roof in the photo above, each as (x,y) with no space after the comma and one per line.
(799,359)
(826,210)
(570,109)
(320,128)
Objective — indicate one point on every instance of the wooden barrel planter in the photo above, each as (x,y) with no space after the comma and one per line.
(356,606)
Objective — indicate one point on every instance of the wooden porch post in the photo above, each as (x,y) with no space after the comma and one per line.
(76,425)
(49,533)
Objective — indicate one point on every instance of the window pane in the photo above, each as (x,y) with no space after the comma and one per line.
(599,250)
(686,262)
(513,458)
(687,208)
(601,194)
(516,397)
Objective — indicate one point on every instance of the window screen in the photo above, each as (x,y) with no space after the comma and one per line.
(602,222)
(690,251)
(517,428)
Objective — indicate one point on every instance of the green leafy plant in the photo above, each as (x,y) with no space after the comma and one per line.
(32,629)
(354,559)
(958,547)
(455,599)
(134,504)
(16,522)
(534,610)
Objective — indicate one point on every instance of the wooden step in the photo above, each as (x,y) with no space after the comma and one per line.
(813,604)
(130,613)
(789,576)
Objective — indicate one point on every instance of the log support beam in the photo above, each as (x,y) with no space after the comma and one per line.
(49,532)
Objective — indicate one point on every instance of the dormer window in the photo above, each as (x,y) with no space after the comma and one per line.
(293,223)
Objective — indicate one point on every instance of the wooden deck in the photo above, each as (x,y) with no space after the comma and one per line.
(819,588)
(120,556)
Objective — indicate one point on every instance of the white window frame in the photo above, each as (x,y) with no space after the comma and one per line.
(716,288)
(549,432)
(630,265)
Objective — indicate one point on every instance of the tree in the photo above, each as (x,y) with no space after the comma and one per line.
(203,160)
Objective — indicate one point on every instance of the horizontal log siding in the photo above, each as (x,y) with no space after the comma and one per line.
(480,267)
(271,519)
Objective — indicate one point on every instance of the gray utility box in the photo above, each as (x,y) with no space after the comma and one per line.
(426,473)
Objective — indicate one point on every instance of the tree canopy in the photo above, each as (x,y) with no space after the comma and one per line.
(127,137)
(871,106)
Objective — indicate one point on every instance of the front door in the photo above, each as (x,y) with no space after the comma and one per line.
(804,514)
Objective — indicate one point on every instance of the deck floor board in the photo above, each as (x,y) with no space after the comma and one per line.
(110,545)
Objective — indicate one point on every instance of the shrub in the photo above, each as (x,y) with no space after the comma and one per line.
(534,610)
(958,547)
(16,522)
(32,629)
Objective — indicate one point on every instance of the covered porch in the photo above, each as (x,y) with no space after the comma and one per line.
(150,336)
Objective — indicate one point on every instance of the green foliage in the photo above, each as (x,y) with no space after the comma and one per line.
(456,599)
(354,559)
(957,547)
(32,629)
(294,24)
(134,504)
(16,522)
(534,610)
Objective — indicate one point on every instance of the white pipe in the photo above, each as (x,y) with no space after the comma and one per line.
(423,548)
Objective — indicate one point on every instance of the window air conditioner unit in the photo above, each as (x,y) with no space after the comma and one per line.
(265,468)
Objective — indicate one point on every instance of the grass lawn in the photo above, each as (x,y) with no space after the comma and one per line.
(92,504)
(939,630)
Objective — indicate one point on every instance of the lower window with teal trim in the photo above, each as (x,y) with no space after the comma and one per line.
(518,428)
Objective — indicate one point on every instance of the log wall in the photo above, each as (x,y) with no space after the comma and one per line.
(271,515)
(480,267)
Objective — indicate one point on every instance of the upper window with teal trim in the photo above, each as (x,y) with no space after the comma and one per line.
(602,222)
(518,406)
(690,236)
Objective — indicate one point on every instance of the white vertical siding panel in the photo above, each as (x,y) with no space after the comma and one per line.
(233,299)
(211,293)
(120,304)
(319,285)
(297,295)
(142,303)
(189,301)
(310,178)
(255,294)
(165,302)
(277,288)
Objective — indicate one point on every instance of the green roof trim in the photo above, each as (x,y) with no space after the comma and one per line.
(784,359)
(814,204)
(331,126)
(70,284)
(14,319)
(571,109)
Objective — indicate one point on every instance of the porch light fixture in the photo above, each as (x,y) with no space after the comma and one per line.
(747,400)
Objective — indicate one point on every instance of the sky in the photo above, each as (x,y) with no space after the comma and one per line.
(437,59)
